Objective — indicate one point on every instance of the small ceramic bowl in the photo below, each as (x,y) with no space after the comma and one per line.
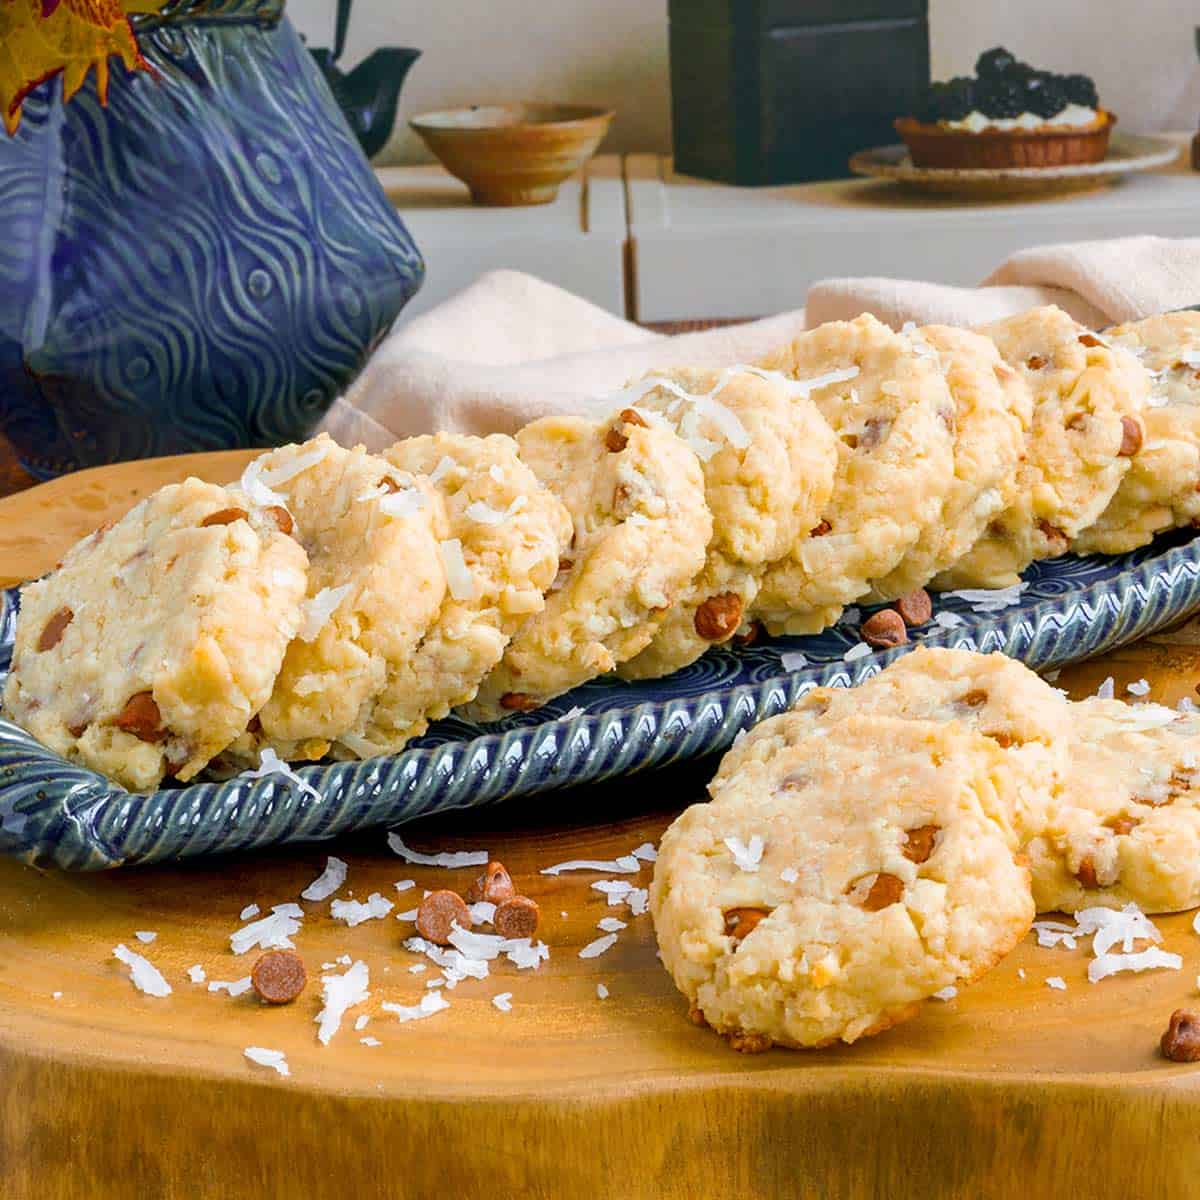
(514,153)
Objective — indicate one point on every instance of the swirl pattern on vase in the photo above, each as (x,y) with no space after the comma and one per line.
(203,263)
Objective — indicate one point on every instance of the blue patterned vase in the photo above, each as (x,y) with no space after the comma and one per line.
(203,263)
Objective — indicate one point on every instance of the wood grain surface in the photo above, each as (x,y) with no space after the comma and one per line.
(1010,1090)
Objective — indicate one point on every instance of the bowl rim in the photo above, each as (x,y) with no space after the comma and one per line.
(585,114)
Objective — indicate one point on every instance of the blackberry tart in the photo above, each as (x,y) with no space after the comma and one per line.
(1008,115)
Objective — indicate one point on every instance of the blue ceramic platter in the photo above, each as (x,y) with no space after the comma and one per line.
(54,813)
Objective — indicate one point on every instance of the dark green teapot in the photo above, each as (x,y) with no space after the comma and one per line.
(368,95)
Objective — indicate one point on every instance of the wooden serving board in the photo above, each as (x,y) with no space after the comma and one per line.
(1010,1090)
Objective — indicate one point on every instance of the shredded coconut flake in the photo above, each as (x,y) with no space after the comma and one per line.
(601,991)
(444,464)
(599,946)
(339,993)
(646,852)
(611,925)
(431,1002)
(272,932)
(485,514)
(458,575)
(789,874)
(986,600)
(626,864)
(1139,687)
(361,1022)
(197,974)
(793,660)
(269,763)
(1105,690)
(1104,965)
(402,885)
(456,858)
(857,651)
(1057,982)
(275,1059)
(370,1041)
(145,936)
(251,910)
(406,502)
(235,987)
(947,620)
(946,993)
(143,974)
(503,1001)
(327,882)
(747,855)
(355,912)
(316,611)
(483,912)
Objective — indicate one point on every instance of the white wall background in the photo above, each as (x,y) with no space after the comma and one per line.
(614,52)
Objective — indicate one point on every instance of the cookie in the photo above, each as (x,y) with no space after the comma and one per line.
(993,411)
(824,895)
(768,459)
(510,533)
(1089,399)
(635,493)
(893,417)
(1162,487)
(1127,828)
(989,694)
(157,639)
(376,581)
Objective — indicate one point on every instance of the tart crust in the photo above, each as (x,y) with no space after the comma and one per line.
(1049,145)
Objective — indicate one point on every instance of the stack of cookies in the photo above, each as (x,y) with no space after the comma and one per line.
(875,846)
(335,602)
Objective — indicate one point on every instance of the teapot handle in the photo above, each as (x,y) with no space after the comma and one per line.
(343,24)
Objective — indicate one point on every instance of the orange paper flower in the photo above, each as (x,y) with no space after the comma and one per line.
(43,38)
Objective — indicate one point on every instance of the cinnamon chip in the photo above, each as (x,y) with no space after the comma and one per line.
(885,890)
(54,628)
(1124,825)
(1035,362)
(718,618)
(516,918)
(820,529)
(749,1043)
(279,976)
(919,842)
(1089,339)
(283,518)
(1087,872)
(974,698)
(1059,542)
(518,702)
(223,516)
(141,717)
(632,417)
(916,608)
(495,886)
(749,635)
(884,629)
(1181,1042)
(1131,437)
(438,913)
(741,922)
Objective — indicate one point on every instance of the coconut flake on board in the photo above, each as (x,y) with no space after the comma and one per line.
(503,1001)
(339,993)
(269,763)
(275,1059)
(145,936)
(235,987)
(626,864)
(430,1003)
(452,859)
(272,932)
(251,910)
(143,974)
(355,912)
(325,884)
(595,948)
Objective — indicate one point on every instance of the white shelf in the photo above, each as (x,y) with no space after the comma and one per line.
(711,250)
(576,242)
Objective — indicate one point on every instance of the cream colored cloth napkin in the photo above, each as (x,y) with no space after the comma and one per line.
(510,347)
